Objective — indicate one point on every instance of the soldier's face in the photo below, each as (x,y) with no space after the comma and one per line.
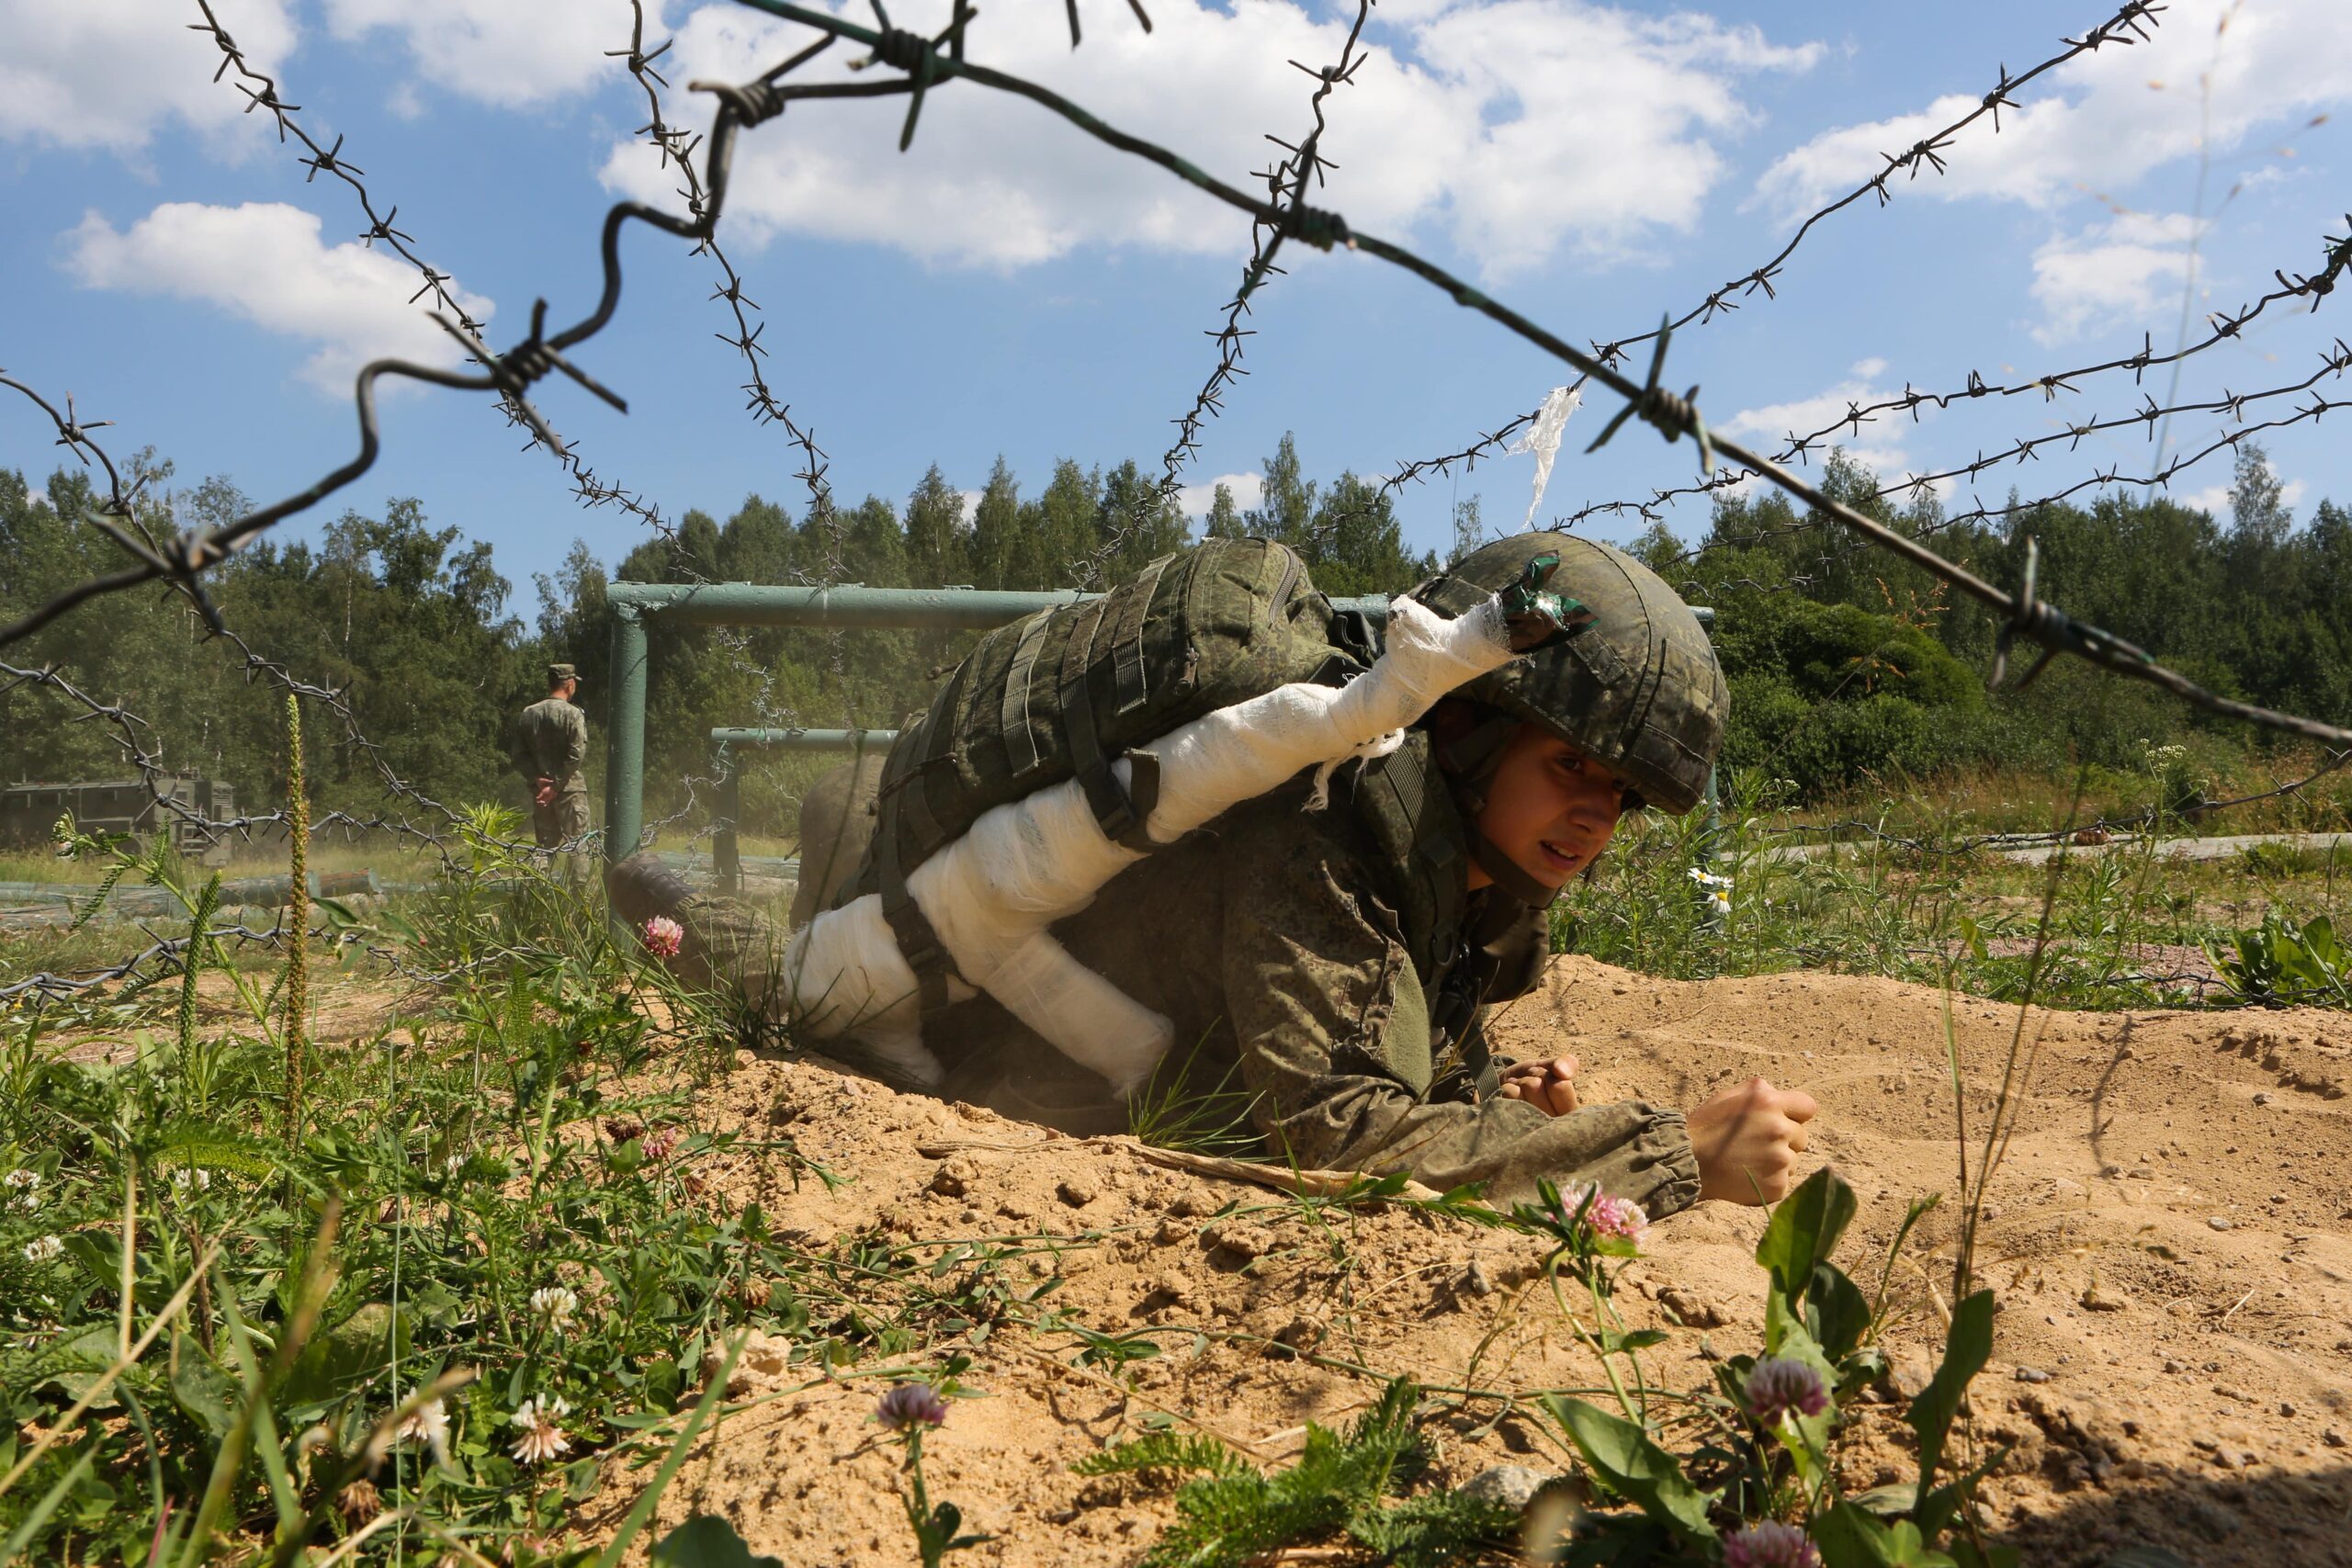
(1550,808)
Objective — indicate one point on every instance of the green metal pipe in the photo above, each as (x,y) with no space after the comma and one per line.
(807,739)
(625,737)
(855,607)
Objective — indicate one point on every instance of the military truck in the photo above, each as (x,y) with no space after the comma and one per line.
(29,812)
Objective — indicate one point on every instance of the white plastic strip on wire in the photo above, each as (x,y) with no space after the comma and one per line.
(992,893)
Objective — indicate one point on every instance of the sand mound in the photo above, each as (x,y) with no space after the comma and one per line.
(2173,1359)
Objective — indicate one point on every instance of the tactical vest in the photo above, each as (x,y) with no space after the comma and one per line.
(1466,949)
(1061,694)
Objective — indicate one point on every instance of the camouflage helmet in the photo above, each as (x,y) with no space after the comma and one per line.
(1635,685)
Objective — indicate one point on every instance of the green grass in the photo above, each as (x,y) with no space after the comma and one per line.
(494,1190)
(2123,922)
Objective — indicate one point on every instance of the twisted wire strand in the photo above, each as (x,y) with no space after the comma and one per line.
(1286,185)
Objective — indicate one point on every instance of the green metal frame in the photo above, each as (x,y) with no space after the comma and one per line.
(726,848)
(846,607)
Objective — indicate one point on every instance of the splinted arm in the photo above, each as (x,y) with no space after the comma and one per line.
(1334,1038)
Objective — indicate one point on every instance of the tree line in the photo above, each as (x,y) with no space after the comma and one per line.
(1844,663)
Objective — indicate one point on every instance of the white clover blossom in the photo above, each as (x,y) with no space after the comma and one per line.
(25,1184)
(42,1249)
(23,1177)
(191,1177)
(556,1303)
(427,1424)
(542,1438)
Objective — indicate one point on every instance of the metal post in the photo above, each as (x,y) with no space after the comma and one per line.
(624,741)
(726,850)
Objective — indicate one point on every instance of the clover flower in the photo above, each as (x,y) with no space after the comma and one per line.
(41,1249)
(1769,1545)
(542,1438)
(1620,1217)
(26,1184)
(191,1177)
(911,1406)
(664,936)
(427,1424)
(660,1144)
(555,1304)
(1779,1385)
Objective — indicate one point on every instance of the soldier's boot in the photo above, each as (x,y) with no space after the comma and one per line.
(730,946)
(641,887)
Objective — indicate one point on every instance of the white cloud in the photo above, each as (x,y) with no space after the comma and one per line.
(1879,444)
(2214,500)
(501,52)
(264,262)
(111,73)
(2106,117)
(1523,127)
(1249,489)
(2117,271)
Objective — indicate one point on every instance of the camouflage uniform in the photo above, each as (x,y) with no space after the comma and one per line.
(1328,962)
(551,745)
(1277,942)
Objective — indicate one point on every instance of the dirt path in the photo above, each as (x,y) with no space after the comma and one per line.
(2167,1231)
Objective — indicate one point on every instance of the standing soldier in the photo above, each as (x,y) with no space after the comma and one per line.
(550,744)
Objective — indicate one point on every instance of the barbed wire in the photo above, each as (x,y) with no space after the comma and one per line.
(1287,183)
(2132,23)
(2315,287)
(925,62)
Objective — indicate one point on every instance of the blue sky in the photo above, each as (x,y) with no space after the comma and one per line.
(1007,287)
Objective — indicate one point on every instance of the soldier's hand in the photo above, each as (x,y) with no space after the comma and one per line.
(1549,1086)
(1748,1139)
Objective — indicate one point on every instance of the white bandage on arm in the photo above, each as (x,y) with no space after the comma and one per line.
(992,894)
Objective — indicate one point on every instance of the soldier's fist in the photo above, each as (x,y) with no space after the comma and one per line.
(1748,1139)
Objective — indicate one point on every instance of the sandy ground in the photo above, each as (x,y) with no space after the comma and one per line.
(2167,1232)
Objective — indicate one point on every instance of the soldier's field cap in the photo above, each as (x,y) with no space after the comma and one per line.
(559,673)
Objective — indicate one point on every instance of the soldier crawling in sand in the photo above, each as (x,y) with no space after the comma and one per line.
(1332,944)
(550,746)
